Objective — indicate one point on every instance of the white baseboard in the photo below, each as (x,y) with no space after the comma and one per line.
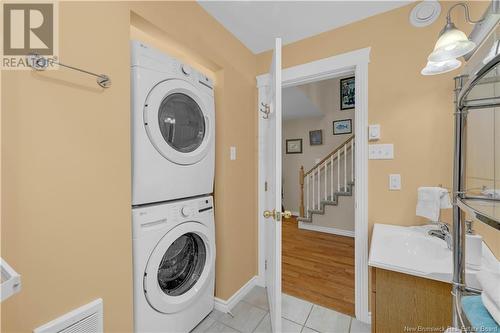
(328,230)
(227,306)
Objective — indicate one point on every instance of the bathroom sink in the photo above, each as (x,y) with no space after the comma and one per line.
(411,250)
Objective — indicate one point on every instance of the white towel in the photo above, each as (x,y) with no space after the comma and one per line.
(490,284)
(430,202)
(491,307)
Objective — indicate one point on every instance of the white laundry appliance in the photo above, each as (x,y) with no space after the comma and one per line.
(173,128)
(174,265)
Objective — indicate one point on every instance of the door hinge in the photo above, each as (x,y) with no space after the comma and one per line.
(265,186)
(265,264)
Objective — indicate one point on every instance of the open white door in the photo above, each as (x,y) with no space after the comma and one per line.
(272,201)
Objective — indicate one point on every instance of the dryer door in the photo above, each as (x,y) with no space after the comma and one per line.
(178,123)
(179,267)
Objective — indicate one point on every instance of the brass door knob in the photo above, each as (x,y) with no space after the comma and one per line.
(276,215)
(269,213)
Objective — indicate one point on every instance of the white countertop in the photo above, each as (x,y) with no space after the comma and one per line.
(412,251)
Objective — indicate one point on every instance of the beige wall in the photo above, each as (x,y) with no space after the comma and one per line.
(325,96)
(66,223)
(415,112)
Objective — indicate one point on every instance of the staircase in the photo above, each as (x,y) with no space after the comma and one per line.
(326,182)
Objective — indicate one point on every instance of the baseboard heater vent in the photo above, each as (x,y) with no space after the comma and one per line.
(85,319)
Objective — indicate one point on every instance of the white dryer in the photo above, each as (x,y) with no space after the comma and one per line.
(173,128)
(174,265)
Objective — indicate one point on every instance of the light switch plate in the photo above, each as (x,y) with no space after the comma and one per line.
(381,151)
(395,182)
(374,132)
(232,153)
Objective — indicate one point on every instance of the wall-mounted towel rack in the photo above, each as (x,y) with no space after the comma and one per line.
(41,63)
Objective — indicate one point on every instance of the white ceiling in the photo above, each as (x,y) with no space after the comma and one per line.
(297,105)
(256,23)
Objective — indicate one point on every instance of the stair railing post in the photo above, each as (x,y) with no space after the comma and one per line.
(308,194)
(318,187)
(345,168)
(326,174)
(352,161)
(338,171)
(313,189)
(331,177)
(301,181)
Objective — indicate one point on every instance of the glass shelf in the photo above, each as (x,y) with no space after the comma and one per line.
(484,90)
(484,210)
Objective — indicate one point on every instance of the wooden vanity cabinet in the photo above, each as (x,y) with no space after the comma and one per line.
(406,303)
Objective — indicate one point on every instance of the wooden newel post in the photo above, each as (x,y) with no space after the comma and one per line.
(301,182)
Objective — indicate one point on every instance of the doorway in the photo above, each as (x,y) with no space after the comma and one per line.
(352,62)
(318,188)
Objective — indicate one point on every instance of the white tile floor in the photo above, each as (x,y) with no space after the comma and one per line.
(299,316)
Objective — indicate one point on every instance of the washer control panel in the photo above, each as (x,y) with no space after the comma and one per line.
(193,208)
(205,205)
(186,211)
(151,218)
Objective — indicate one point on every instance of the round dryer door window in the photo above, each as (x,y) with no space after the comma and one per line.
(179,267)
(179,121)
(182,264)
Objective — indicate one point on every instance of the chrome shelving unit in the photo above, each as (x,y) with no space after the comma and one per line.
(483,69)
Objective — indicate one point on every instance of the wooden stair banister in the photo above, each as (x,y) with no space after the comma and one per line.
(319,199)
(301,182)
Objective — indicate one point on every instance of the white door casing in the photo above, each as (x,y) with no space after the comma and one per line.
(272,197)
(344,64)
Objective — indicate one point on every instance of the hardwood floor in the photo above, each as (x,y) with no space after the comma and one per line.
(318,267)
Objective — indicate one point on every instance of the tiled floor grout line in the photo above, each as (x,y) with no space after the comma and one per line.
(308,315)
(220,322)
(256,306)
(267,313)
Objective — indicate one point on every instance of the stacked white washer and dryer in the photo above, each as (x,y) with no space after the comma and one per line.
(173,165)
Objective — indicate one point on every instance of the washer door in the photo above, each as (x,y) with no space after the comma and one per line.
(178,123)
(178,268)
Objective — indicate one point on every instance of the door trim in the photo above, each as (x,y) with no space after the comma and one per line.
(347,63)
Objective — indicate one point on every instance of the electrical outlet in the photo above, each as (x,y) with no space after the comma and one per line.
(232,153)
(394,182)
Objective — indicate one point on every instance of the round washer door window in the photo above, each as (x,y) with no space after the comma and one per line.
(178,122)
(179,267)
(181,122)
(182,264)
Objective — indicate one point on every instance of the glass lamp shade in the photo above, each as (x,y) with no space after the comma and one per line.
(433,68)
(452,44)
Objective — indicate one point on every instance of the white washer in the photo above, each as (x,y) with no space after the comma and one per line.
(174,265)
(173,128)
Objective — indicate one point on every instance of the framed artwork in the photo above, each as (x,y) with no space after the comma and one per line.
(347,93)
(294,146)
(316,137)
(342,127)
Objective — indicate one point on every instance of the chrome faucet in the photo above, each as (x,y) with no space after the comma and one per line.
(443,233)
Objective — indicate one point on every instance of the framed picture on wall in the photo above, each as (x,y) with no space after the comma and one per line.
(294,146)
(342,127)
(347,93)
(316,137)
